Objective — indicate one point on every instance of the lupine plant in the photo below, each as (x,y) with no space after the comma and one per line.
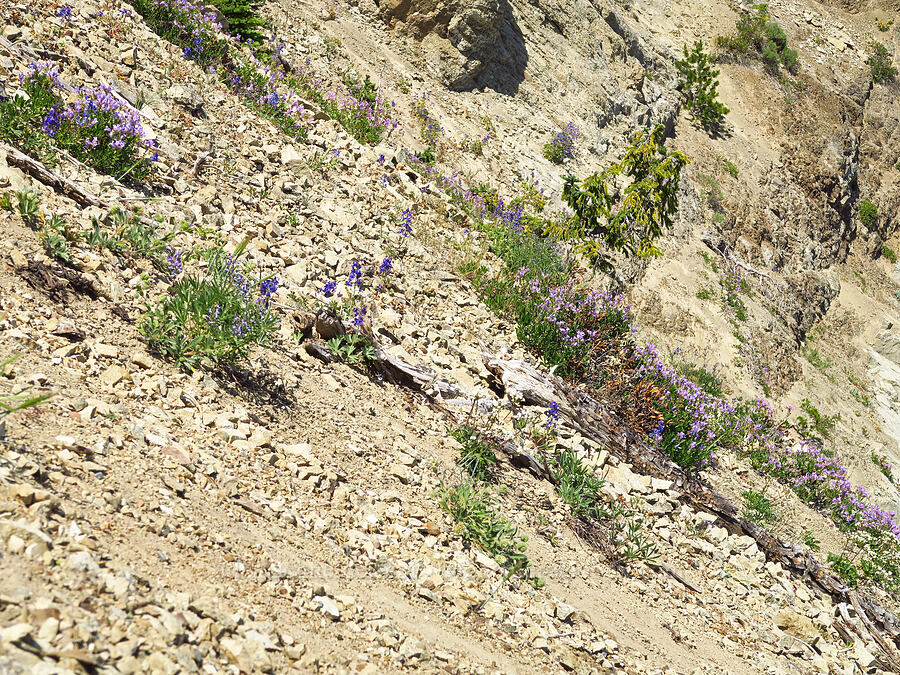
(562,146)
(190,25)
(213,317)
(96,128)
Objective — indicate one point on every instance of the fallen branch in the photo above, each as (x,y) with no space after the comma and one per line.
(37,170)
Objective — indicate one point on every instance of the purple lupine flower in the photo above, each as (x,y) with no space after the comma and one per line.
(387,266)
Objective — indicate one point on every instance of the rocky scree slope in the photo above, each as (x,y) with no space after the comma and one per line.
(281,515)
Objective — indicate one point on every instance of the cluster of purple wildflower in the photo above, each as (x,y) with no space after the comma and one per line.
(406,223)
(97,127)
(65,13)
(174,262)
(552,415)
(191,25)
(243,310)
(562,146)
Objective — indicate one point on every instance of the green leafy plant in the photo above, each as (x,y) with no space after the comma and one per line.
(629,221)
(730,167)
(352,348)
(473,509)
(814,424)
(888,253)
(56,237)
(578,487)
(477,454)
(810,540)
(845,568)
(884,26)
(880,63)
(868,214)
(706,293)
(758,508)
(212,317)
(699,86)
(816,359)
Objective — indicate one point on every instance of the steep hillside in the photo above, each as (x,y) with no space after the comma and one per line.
(325,384)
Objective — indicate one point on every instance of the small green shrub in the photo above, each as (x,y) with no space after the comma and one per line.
(815,424)
(473,509)
(352,348)
(699,86)
(884,26)
(880,63)
(477,455)
(243,18)
(758,508)
(578,487)
(631,220)
(706,293)
(816,359)
(730,167)
(868,214)
(214,317)
(755,35)
(810,540)
(844,568)
(888,253)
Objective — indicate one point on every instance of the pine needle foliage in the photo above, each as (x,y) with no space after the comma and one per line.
(699,86)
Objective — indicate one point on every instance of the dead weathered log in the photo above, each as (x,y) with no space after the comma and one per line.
(594,422)
(37,170)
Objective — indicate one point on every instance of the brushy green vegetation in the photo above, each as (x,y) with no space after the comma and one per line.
(127,236)
(730,167)
(758,508)
(352,348)
(814,424)
(812,355)
(477,454)
(20,400)
(845,568)
(880,63)
(868,214)
(607,220)
(706,293)
(213,317)
(578,487)
(811,541)
(888,253)
(97,128)
(473,509)
(699,86)
(756,36)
